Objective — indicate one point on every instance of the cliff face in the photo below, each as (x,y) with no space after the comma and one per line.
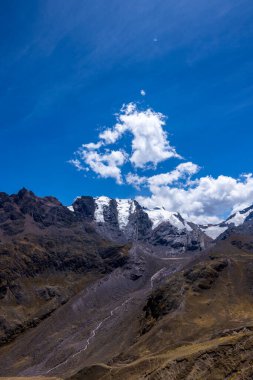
(125,220)
(45,251)
(117,219)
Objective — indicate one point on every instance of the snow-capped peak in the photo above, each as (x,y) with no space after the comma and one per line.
(101,203)
(239,217)
(235,219)
(125,208)
(159,215)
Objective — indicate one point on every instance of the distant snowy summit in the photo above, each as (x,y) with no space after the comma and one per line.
(124,209)
(127,207)
(235,220)
(159,215)
(126,220)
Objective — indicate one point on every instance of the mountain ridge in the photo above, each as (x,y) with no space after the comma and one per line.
(70,285)
(159,215)
(236,219)
(127,220)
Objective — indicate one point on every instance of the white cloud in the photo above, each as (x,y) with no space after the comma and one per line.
(150,143)
(183,170)
(135,180)
(105,165)
(206,200)
(77,164)
(143,92)
(110,136)
(203,200)
(93,146)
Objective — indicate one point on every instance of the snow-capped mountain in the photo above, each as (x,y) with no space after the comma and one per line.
(234,220)
(125,219)
(159,215)
(124,208)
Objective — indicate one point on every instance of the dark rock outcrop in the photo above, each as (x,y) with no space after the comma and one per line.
(41,239)
(84,207)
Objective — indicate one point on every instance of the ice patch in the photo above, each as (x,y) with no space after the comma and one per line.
(160,215)
(101,203)
(238,218)
(214,231)
(125,208)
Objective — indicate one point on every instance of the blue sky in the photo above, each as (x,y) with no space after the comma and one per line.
(68,66)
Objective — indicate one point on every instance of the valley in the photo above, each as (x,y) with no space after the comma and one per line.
(112,300)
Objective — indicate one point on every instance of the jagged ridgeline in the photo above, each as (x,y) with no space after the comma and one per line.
(125,220)
(106,289)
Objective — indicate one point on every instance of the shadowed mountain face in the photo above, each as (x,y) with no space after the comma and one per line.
(108,290)
(46,256)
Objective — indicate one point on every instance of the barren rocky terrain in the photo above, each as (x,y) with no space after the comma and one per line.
(76,304)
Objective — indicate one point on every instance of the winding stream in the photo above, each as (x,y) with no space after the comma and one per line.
(92,335)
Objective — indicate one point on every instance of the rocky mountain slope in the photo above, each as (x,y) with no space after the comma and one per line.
(197,322)
(105,289)
(45,251)
(46,248)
